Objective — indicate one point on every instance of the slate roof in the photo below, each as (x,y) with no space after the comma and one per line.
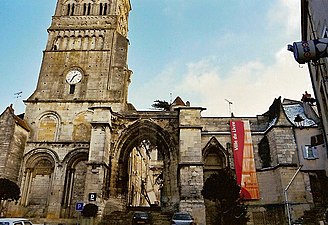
(296,109)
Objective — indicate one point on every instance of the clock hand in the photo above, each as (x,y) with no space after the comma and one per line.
(73,78)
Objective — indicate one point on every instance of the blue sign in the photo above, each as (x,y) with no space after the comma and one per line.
(79,206)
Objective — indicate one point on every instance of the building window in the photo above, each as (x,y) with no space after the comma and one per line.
(48,126)
(72,89)
(264,152)
(103,7)
(310,152)
(86,9)
(317,140)
(70,9)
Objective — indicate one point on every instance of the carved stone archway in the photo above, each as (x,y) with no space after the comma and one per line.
(215,157)
(132,136)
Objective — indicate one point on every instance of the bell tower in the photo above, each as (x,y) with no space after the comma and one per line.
(84,77)
(85,59)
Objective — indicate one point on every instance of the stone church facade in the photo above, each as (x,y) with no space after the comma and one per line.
(80,132)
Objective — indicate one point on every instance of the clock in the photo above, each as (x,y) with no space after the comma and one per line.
(74,76)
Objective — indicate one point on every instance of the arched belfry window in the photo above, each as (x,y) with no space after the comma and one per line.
(86,9)
(103,8)
(70,9)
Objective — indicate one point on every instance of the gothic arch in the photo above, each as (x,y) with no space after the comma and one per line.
(131,137)
(215,157)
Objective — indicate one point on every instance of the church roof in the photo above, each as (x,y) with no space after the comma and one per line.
(19,119)
(295,112)
(178,102)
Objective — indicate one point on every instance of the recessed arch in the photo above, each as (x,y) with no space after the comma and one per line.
(32,156)
(82,126)
(215,157)
(48,126)
(131,137)
(75,175)
(38,178)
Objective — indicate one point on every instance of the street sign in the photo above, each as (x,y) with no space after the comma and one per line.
(92,196)
(79,206)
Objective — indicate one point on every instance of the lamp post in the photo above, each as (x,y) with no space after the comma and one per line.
(286,195)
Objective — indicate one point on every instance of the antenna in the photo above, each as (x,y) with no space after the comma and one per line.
(230,103)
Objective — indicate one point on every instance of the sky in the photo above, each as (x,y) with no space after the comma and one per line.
(208,52)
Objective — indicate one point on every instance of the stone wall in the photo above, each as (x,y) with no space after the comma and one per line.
(12,143)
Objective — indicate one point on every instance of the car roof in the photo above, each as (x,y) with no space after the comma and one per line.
(182,213)
(13,219)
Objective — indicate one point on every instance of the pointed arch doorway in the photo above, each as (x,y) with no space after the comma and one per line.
(215,158)
(145,165)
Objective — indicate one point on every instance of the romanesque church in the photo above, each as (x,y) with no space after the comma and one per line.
(80,141)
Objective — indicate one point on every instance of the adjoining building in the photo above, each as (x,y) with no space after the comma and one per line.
(84,137)
(312,49)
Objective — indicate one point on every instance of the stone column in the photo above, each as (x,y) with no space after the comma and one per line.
(190,163)
(54,205)
(98,162)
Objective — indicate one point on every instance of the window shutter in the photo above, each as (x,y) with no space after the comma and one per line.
(315,152)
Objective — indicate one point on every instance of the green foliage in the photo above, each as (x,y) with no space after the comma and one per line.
(90,210)
(162,105)
(222,188)
(9,190)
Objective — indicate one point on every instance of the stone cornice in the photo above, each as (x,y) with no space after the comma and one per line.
(83,22)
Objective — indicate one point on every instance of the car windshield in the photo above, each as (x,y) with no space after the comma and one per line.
(141,214)
(182,217)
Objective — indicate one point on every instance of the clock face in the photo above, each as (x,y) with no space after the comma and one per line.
(73,77)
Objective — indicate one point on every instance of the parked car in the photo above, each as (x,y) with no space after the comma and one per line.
(182,218)
(15,221)
(140,218)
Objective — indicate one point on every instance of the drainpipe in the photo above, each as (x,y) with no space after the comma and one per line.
(286,196)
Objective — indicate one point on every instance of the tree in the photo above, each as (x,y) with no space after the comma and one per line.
(9,191)
(162,105)
(222,188)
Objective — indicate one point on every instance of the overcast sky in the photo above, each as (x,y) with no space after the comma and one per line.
(207,52)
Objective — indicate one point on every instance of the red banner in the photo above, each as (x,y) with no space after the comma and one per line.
(242,147)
